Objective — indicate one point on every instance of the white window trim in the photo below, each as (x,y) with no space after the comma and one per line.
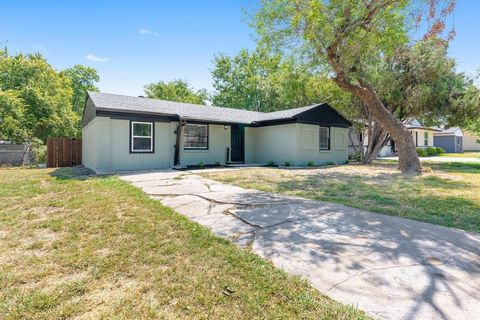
(328,148)
(133,136)
(208,133)
(426,138)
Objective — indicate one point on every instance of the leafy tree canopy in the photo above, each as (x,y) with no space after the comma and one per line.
(352,40)
(176,90)
(420,81)
(82,79)
(35,100)
(266,81)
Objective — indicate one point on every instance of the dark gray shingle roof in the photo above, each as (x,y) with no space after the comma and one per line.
(114,102)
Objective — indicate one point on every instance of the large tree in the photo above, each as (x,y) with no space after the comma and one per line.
(35,100)
(419,81)
(176,90)
(266,81)
(245,81)
(352,38)
(82,79)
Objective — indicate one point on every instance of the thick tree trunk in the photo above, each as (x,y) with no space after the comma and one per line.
(377,138)
(358,151)
(408,161)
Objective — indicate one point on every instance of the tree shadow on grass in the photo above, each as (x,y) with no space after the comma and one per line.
(461,167)
(73,173)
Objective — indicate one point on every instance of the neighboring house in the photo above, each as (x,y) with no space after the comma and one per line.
(451,140)
(471,142)
(422,137)
(135,133)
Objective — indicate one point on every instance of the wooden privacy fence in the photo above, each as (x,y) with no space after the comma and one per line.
(64,152)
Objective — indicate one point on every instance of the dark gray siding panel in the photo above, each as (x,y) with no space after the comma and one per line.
(89,112)
(323,115)
(445,142)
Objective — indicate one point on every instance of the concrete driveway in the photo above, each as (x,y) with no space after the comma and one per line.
(390,267)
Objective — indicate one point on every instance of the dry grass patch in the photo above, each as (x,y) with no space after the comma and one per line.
(447,193)
(79,246)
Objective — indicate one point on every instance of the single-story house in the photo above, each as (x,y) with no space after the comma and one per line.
(451,140)
(471,141)
(422,137)
(136,133)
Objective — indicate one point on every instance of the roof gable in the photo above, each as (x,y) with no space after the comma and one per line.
(324,114)
(454,131)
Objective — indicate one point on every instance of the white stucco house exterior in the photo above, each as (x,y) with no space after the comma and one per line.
(471,141)
(136,133)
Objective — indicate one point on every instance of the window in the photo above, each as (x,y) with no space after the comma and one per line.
(324,141)
(425,139)
(141,137)
(196,136)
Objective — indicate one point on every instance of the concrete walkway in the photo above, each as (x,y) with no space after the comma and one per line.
(390,267)
(439,159)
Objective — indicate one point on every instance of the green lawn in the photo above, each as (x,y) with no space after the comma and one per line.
(90,247)
(447,194)
(470,154)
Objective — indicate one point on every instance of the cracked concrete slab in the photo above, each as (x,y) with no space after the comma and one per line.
(366,259)
(202,207)
(223,225)
(249,197)
(176,189)
(393,268)
(150,175)
(177,201)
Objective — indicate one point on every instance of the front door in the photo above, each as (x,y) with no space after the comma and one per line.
(238,143)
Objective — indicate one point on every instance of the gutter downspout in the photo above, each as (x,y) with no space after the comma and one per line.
(176,159)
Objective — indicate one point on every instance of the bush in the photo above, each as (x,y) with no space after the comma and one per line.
(286,164)
(422,152)
(271,163)
(330,163)
(39,152)
(440,151)
(201,164)
(431,151)
(310,163)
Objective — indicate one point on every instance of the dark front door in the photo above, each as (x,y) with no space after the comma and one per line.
(238,143)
